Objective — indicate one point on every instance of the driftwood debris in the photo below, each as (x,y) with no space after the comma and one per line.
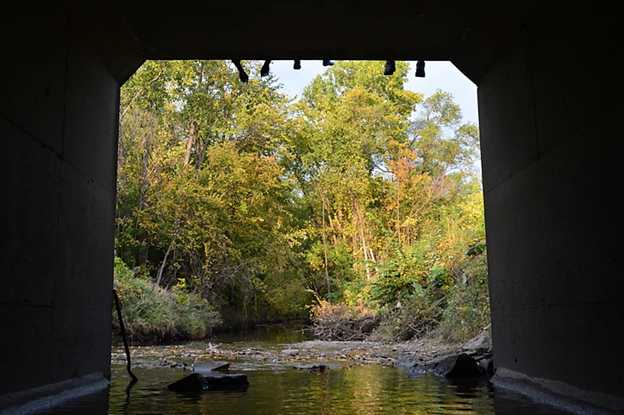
(345,329)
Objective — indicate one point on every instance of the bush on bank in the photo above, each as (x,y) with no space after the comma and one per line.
(467,310)
(153,313)
(455,314)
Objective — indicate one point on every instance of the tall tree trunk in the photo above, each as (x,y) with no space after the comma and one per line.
(325,248)
(339,219)
(162,266)
(120,152)
(326,209)
(372,255)
(144,179)
(357,210)
(189,144)
(143,188)
(398,211)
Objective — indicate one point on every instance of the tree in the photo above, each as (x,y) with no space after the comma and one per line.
(201,196)
(361,192)
(354,121)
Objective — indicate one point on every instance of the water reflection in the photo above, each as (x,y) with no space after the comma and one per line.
(278,388)
(373,389)
(364,390)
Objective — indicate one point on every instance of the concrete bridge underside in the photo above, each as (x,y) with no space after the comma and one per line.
(550,101)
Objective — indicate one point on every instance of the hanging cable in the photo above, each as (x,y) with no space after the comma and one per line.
(420,69)
(242,75)
(390,68)
(123,334)
(264,71)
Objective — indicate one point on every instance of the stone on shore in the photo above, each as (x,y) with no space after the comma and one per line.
(290,352)
(473,359)
(479,345)
(456,365)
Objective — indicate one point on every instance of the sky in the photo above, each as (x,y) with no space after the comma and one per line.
(438,75)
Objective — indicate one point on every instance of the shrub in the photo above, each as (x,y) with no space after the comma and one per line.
(341,322)
(414,315)
(468,309)
(152,313)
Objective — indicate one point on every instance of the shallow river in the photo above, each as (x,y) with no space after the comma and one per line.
(355,382)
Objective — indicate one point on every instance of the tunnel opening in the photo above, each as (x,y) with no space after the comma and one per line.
(192,127)
(547,144)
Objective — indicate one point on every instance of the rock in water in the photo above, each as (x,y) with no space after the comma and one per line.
(465,366)
(205,367)
(455,365)
(220,382)
(191,383)
(197,382)
(487,366)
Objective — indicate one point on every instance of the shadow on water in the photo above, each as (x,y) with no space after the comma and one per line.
(279,386)
(131,384)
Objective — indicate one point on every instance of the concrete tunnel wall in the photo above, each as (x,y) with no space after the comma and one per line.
(58,117)
(551,111)
(551,114)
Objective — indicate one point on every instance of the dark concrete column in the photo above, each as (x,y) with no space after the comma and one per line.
(551,114)
(58,132)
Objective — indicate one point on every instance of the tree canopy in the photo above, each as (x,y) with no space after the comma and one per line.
(360,193)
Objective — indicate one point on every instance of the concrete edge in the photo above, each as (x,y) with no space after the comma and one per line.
(558,394)
(43,397)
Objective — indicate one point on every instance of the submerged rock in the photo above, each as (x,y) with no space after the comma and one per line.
(456,365)
(312,368)
(197,382)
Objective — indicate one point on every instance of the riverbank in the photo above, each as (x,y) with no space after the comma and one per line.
(423,346)
(350,377)
(299,377)
(428,354)
(278,352)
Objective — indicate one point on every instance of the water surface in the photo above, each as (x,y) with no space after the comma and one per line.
(355,382)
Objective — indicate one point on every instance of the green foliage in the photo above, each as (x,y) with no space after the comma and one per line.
(201,194)
(476,249)
(360,198)
(153,313)
(402,274)
(468,310)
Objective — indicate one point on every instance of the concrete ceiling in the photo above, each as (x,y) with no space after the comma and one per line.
(470,33)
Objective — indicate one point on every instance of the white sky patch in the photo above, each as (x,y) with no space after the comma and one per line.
(439,75)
